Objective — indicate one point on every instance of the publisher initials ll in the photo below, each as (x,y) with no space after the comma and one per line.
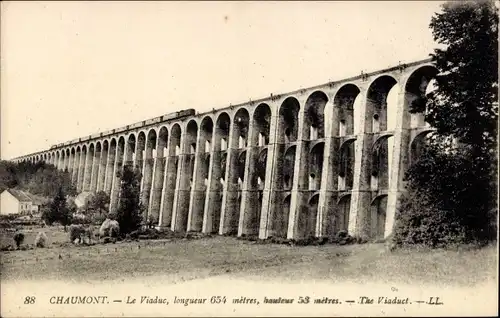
(435,301)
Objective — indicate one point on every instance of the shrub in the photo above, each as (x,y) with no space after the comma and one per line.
(75,232)
(109,228)
(19,239)
(41,240)
(342,237)
(80,220)
(98,219)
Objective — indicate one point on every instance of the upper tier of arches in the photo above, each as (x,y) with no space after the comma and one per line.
(347,107)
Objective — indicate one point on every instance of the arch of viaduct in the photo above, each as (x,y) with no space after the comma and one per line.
(287,166)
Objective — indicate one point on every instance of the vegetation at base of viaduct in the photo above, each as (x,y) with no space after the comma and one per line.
(452,188)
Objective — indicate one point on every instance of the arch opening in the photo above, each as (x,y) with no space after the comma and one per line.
(417,146)
(420,83)
(206,133)
(314,121)
(175,140)
(288,121)
(261,124)
(315,166)
(342,217)
(162,150)
(240,128)
(280,219)
(288,168)
(130,150)
(307,218)
(345,100)
(377,104)
(346,166)
(378,211)
(381,163)
(139,152)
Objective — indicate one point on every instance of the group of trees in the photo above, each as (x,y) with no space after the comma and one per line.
(37,178)
(46,180)
(128,214)
(451,195)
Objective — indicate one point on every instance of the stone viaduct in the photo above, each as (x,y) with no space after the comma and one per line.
(288,165)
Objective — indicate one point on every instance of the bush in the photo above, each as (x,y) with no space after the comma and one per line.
(41,240)
(19,239)
(343,238)
(448,201)
(81,220)
(76,231)
(148,234)
(109,228)
(98,219)
(418,223)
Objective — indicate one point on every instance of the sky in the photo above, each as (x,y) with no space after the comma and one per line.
(71,69)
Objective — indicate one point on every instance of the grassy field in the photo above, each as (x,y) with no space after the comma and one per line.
(55,234)
(181,260)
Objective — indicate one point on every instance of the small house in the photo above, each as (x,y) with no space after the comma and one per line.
(14,201)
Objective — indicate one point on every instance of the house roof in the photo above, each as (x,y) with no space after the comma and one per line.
(28,197)
(20,195)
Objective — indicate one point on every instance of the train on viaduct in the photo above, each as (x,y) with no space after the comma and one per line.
(289,165)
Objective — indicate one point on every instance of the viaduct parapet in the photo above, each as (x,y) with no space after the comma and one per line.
(288,165)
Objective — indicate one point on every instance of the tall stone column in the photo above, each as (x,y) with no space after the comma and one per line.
(138,163)
(59,162)
(182,191)
(169,188)
(76,165)
(110,166)
(68,158)
(327,204)
(400,158)
(271,183)
(157,182)
(298,204)
(147,179)
(95,171)
(71,163)
(228,222)
(88,171)
(116,183)
(212,204)
(249,219)
(64,163)
(197,195)
(359,218)
(81,172)
(102,169)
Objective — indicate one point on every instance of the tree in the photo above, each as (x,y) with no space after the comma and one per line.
(98,202)
(8,177)
(451,189)
(464,102)
(39,179)
(58,211)
(19,239)
(129,213)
